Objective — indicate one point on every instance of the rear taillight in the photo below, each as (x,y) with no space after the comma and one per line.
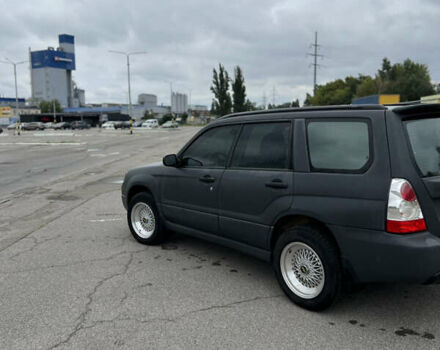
(404,214)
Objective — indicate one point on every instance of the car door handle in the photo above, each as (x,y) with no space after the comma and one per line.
(276,183)
(207,178)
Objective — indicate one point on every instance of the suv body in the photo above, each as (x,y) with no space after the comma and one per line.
(257,181)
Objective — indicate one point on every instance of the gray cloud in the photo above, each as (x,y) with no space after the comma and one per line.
(186,39)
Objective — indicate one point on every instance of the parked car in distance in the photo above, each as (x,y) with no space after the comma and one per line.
(326,194)
(118,124)
(61,126)
(108,125)
(12,126)
(126,124)
(80,124)
(170,124)
(137,124)
(48,125)
(32,126)
(150,123)
(1,130)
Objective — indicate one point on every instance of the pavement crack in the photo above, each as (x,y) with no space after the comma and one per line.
(82,318)
(213,307)
(73,263)
(35,245)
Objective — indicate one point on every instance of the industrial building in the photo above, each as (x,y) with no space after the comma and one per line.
(51,73)
(147,100)
(179,103)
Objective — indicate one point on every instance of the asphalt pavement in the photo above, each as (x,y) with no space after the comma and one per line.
(72,276)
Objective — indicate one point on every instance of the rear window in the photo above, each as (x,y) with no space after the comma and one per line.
(424,136)
(338,146)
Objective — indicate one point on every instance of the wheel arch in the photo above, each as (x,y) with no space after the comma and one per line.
(301,219)
(137,188)
(296,220)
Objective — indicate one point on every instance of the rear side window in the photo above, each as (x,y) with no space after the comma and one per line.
(211,149)
(338,145)
(263,146)
(424,136)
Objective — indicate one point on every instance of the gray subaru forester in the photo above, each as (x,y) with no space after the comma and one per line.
(326,194)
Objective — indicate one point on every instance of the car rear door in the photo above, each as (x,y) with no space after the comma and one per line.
(257,185)
(190,193)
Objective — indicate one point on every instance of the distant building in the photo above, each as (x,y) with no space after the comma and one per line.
(51,72)
(377,99)
(179,103)
(430,99)
(199,109)
(10,102)
(79,97)
(147,100)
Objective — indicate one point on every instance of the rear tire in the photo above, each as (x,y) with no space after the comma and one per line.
(307,265)
(144,220)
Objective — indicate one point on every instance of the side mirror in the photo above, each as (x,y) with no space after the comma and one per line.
(171,160)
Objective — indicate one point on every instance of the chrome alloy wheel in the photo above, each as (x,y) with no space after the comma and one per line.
(302,270)
(143,220)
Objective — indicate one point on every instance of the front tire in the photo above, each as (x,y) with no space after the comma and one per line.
(144,221)
(307,266)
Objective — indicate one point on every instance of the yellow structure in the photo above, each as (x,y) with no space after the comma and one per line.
(389,99)
(430,99)
(5,112)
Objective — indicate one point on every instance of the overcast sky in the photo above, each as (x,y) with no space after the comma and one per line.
(185,39)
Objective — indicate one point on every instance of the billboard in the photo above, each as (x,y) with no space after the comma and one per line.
(5,112)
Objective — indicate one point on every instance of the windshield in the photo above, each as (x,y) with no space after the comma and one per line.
(424,136)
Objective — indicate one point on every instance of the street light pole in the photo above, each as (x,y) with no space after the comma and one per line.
(8,61)
(128,54)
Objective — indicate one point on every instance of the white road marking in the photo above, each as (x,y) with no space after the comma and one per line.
(105,220)
(116,181)
(44,143)
(54,134)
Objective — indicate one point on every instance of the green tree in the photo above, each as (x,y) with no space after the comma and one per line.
(183,118)
(239,91)
(368,86)
(409,79)
(250,106)
(165,118)
(333,93)
(47,106)
(294,103)
(222,102)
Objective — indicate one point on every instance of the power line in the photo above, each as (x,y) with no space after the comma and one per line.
(315,56)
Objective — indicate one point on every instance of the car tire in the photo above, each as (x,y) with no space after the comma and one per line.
(307,265)
(144,220)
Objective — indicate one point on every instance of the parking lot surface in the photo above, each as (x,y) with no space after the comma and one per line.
(72,276)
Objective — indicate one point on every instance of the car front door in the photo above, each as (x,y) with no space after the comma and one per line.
(258,184)
(189,193)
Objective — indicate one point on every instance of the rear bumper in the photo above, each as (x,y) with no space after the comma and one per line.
(378,256)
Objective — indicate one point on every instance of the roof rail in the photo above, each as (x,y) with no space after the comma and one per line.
(307,109)
(417,108)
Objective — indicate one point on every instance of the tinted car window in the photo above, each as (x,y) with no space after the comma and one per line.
(211,149)
(263,146)
(338,145)
(424,135)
